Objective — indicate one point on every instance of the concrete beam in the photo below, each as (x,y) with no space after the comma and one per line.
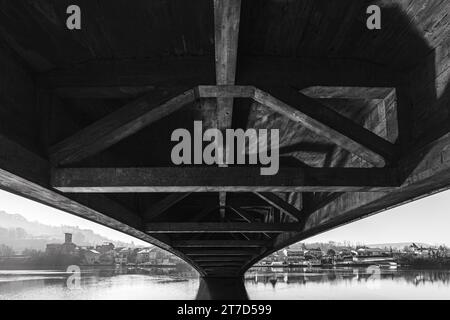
(369,93)
(215,179)
(329,124)
(226,24)
(222,227)
(280,204)
(220,243)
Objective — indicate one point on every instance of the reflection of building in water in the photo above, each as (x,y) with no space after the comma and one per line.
(303,276)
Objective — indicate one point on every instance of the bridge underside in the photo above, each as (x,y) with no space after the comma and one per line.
(87,116)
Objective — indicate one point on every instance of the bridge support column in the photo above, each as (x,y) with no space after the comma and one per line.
(222,288)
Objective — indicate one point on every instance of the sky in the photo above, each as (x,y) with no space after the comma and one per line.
(426,221)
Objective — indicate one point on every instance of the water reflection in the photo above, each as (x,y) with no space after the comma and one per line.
(347,283)
(331,276)
(100,283)
(260,283)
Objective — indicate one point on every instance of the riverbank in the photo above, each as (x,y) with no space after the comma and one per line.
(424,263)
(405,262)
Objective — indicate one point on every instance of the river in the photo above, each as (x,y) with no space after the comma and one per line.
(262,283)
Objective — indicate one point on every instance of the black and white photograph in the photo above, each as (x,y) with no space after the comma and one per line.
(224,150)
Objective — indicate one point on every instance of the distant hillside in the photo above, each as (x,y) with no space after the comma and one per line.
(339,246)
(397,245)
(322,246)
(20,233)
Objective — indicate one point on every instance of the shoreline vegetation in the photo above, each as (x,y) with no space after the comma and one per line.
(420,262)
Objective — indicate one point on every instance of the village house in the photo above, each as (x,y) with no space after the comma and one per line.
(121,255)
(433,252)
(145,255)
(91,256)
(107,258)
(373,252)
(66,248)
(105,247)
(155,256)
(372,255)
(345,256)
(314,253)
(295,256)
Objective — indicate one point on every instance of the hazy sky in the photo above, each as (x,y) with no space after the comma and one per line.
(426,220)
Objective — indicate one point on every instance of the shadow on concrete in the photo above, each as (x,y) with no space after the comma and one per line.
(222,289)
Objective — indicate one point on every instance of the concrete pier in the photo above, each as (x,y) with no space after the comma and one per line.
(227,288)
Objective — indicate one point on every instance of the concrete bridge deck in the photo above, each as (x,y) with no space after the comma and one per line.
(87,116)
